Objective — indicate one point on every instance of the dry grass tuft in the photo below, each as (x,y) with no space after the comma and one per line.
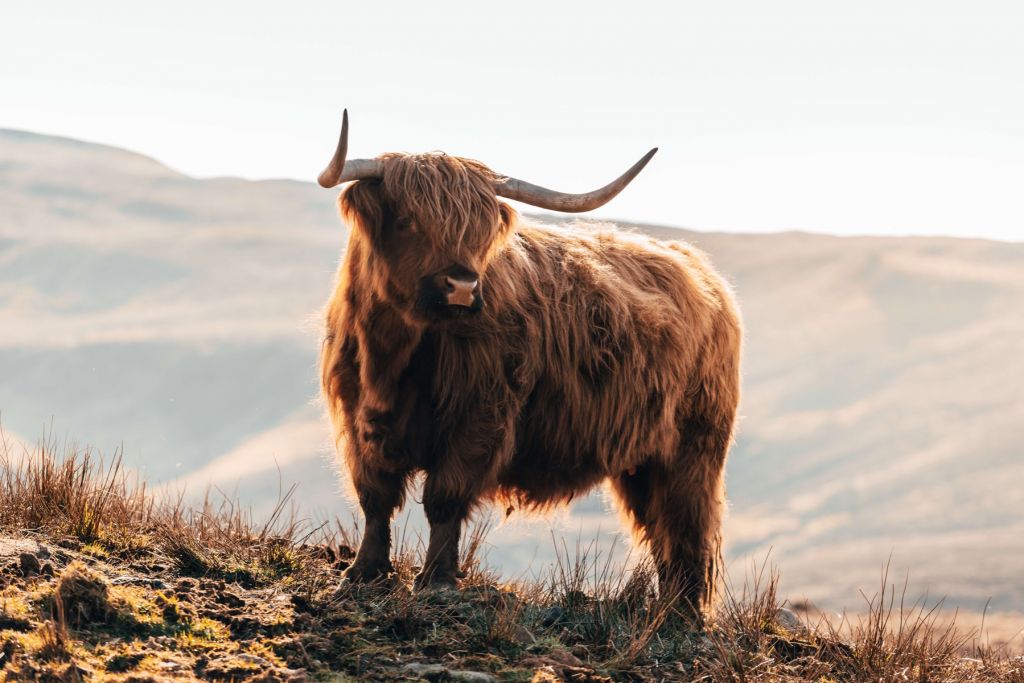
(76,495)
(82,595)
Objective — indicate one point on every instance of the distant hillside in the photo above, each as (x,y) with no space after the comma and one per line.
(177,318)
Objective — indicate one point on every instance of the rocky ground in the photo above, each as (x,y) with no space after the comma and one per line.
(98,582)
(69,610)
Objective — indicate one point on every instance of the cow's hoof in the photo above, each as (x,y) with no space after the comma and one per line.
(348,590)
(367,574)
(440,594)
(436,581)
(383,587)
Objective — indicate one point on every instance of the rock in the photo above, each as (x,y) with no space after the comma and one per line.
(123,661)
(300,603)
(14,547)
(253,659)
(789,621)
(243,624)
(29,564)
(13,623)
(440,594)
(576,599)
(557,665)
(546,675)
(552,674)
(541,662)
(431,672)
(471,677)
(231,667)
(69,543)
(549,616)
(564,657)
(127,580)
(230,599)
(523,635)
(278,675)
(212,585)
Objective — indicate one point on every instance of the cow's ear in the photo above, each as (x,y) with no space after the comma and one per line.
(509,216)
(363,208)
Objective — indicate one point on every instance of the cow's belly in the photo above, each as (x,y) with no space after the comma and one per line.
(566,446)
(552,463)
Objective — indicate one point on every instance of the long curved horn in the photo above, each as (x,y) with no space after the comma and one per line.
(522,191)
(341,171)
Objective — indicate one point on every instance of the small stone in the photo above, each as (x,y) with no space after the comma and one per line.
(300,603)
(441,594)
(549,616)
(253,659)
(546,674)
(556,660)
(471,677)
(30,564)
(566,658)
(789,621)
(13,547)
(522,635)
(431,672)
(123,661)
(231,667)
(128,580)
(576,599)
(13,623)
(230,599)
(243,624)
(277,675)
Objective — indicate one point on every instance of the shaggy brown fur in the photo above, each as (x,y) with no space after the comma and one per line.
(598,355)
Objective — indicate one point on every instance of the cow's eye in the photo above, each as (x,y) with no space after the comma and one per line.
(403,225)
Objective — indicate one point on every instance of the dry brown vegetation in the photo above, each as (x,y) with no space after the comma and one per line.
(100,581)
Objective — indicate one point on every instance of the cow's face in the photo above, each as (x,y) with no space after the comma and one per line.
(431,225)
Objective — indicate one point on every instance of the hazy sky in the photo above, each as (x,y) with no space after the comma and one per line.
(855,117)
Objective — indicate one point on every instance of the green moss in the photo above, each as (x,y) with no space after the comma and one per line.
(95,549)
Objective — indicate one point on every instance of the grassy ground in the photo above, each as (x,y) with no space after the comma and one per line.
(102,582)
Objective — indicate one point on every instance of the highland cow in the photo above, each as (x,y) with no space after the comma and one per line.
(524,364)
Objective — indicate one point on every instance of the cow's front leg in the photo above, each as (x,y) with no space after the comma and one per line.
(380,494)
(462,477)
(476,447)
(446,512)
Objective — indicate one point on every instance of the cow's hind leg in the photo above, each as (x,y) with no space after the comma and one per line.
(677,511)
(692,498)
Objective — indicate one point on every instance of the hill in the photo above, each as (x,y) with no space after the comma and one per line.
(112,585)
(175,318)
